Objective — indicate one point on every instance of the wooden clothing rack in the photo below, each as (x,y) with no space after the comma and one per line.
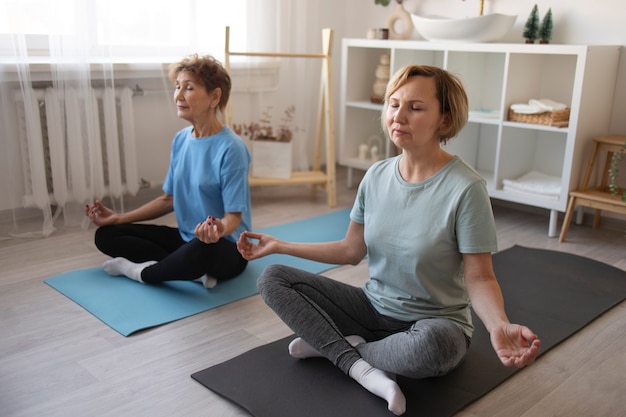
(325,126)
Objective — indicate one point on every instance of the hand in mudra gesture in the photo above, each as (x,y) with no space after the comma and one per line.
(210,230)
(100,215)
(249,250)
(515,345)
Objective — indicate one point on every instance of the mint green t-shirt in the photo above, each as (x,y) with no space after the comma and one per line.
(416,235)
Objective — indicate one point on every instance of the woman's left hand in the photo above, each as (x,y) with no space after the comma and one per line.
(210,230)
(515,345)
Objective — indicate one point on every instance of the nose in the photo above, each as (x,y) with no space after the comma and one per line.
(178,94)
(398,113)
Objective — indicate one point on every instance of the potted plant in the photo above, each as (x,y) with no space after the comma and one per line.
(614,173)
(271,146)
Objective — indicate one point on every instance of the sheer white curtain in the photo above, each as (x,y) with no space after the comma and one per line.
(61,56)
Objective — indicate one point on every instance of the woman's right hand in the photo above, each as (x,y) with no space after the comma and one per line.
(266,245)
(99,214)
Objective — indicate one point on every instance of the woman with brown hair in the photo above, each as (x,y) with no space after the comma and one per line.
(206,186)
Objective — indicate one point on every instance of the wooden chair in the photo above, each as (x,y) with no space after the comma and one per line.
(599,198)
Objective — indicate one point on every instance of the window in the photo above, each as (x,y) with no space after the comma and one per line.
(127,28)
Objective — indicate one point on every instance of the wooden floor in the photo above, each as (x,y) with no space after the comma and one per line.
(58,360)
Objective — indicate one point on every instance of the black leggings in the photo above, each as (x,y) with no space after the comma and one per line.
(176,259)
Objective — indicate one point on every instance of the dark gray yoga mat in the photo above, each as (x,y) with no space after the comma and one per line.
(554,293)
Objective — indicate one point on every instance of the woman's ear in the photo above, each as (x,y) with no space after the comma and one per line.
(216,97)
(446,120)
(444,128)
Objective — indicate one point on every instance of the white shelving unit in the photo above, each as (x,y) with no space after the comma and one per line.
(495,76)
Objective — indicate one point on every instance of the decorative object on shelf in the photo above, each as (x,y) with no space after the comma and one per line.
(363,151)
(614,172)
(271,148)
(532,26)
(382,78)
(374,154)
(486,28)
(541,112)
(381,33)
(370,151)
(399,22)
(375,144)
(482,28)
(557,118)
(545,30)
(263,129)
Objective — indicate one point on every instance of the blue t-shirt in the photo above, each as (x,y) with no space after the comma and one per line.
(208,176)
(416,234)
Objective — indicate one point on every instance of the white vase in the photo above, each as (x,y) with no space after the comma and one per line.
(400,17)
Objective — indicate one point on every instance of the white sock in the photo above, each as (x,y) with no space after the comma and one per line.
(379,383)
(122,266)
(207,281)
(300,349)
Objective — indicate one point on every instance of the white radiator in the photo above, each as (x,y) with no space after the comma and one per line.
(77,148)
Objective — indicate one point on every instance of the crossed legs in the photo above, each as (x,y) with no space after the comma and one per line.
(336,321)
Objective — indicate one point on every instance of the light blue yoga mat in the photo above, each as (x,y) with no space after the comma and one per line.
(128,306)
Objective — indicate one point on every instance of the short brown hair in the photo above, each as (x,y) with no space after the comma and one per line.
(449,90)
(209,72)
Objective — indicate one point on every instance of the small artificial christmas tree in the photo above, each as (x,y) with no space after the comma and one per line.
(545,30)
(532,26)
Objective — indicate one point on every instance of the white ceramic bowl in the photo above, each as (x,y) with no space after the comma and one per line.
(486,28)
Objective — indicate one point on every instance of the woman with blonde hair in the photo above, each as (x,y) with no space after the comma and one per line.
(424,220)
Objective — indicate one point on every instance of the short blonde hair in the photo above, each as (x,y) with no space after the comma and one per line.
(450,94)
(209,72)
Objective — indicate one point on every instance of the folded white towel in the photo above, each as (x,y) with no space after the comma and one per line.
(546,104)
(535,182)
(523,108)
(530,195)
(535,106)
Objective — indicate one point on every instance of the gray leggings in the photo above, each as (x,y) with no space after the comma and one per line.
(322,311)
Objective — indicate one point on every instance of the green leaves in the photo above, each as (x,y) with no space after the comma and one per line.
(614,170)
(532,25)
(545,30)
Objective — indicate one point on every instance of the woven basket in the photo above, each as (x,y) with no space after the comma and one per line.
(557,118)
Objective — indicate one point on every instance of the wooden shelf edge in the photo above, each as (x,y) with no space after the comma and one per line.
(297,178)
(599,196)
